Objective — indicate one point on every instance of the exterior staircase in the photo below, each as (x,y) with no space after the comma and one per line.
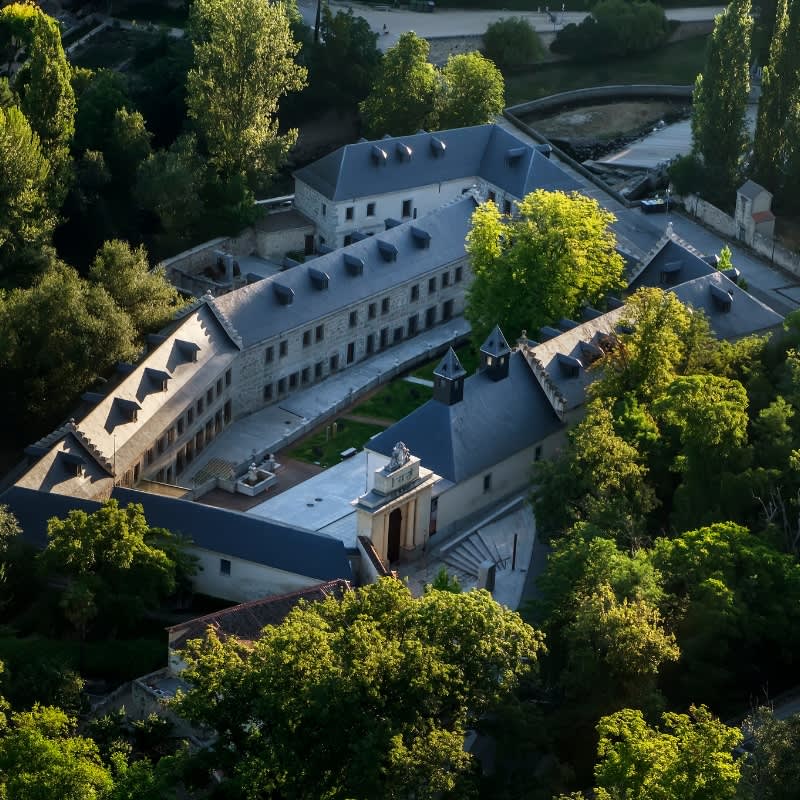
(465,555)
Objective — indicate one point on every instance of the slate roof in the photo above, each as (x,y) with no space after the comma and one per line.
(486,151)
(751,190)
(672,265)
(450,367)
(746,315)
(247,620)
(495,344)
(225,532)
(257,313)
(494,420)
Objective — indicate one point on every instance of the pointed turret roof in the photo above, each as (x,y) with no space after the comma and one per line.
(450,367)
(495,344)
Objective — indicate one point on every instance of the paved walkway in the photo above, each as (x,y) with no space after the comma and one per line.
(281,424)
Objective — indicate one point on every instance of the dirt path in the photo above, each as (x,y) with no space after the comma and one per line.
(369,420)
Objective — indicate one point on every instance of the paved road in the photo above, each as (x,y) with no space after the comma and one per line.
(455,22)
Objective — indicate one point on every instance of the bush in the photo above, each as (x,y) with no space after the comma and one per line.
(615,28)
(687,174)
(512,42)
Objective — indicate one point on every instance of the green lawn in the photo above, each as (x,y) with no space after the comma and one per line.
(323,450)
(677,63)
(394,401)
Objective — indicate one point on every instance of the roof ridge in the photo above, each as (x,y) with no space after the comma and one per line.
(223,320)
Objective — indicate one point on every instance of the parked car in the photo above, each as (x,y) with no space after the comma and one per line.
(655,205)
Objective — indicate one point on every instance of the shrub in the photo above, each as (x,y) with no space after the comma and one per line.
(512,42)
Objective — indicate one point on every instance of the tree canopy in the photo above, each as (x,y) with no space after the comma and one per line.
(543,264)
(512,42)
(472,91)
(243,64)
(403,676)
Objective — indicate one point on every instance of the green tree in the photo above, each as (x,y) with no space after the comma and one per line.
(512,42)
(472,91)
(43,84)
(56,338)
(41,757)
(780,92)
(100,95)
(554,256)
(772,772)
(127,146)
(403,676)
(403,94)
(689,757)
(243,65)
(719,101)
(120,564)
(26,217)
(146,296)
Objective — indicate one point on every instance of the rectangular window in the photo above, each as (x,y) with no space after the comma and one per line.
(334,363)
(224,566)
(348,212)
(319,333)
(179,463)
(430,317)
(507,207)
(200,406)
(227,412)
(171,436)
(431,285)
(351,352)
(445,279)
(353,319)
(348,239)
(228,378)
(210,396)
(406,208)
(189,451)
(268,391)
(306,338)
(413,325)
(459,274)
(447,310)
(324,209)
(180,426)
(318,370)
(283,349)
(384,337)
(370,209)
(415,292)
(198,441)
(190,416)
(487,482)
(305,375)
(385,305)
(282,386)
(492,196)
(161,445)
(294,378)
(370,344)
(398,335)
(537,453)
(150,456)
(217,422)
(219,387)
(269,355)
(372,310)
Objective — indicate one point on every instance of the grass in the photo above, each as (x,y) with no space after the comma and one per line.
(677,63)
(394,401)
(319,449)
(114,659)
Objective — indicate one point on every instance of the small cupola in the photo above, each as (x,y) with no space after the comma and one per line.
(495,355)
(448,380)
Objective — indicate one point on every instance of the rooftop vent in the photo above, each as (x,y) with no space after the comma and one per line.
(129,409)
(353,264)
(324,249)
(713,260)
(124,368)
(514,155)
(547,332)
(722,299)
(391,222)
(358,236)
(590,351)
(404,152)
(567,324)
(288,263)
(157,377)
(283,294)
(614,302)
(422,239)
(74,463)
(92,397)
(188,350)
(438,147)
(545,149)
(387,250)
(670,272)
(379,156)
(570,367)
(319,279)
(732,274)
(154,340)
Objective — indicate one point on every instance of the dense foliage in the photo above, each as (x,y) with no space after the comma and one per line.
(512,42)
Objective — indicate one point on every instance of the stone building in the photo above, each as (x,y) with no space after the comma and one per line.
(753,212)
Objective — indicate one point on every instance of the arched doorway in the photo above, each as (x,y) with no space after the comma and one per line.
(393,545)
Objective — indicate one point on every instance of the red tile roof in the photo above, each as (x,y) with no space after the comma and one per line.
(763,216)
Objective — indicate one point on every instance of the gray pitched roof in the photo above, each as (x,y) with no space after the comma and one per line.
(450,367)
(230,533)
(494,420)
(355,273)
(751,190)
(486,151)
(672,265)
(745,314)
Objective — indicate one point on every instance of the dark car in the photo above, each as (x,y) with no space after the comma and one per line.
(657,205)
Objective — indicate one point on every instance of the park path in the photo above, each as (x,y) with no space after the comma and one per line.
(368,420)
